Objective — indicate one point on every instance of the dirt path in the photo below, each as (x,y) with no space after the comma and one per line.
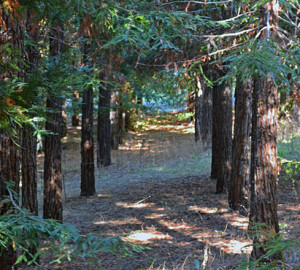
(158,194)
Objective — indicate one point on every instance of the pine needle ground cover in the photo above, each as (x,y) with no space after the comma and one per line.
(158,194)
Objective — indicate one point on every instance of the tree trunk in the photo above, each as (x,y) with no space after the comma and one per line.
(87,145)
(53,148)
(75,116)
(114,119)
(264,168)
(29,170)
(29,141)
(104,127)
(206,116)
(238,188)
(222,135)
(11,32)
(198,102)
(9,173)
(203,112)
(191,104)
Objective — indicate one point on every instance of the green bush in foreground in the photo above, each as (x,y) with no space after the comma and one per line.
(26,233)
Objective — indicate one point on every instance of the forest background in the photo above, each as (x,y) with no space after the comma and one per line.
(98,61)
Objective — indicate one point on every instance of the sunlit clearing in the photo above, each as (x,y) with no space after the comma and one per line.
(134,205)
(144,236)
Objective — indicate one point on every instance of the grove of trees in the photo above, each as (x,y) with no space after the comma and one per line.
(104,57)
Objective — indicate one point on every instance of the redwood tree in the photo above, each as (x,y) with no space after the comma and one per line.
(264,169)
(87,141)
(239,183)
(104,124)
(221,135)
(53,148)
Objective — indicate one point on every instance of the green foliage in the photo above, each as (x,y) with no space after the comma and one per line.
(262,58)
(52,238)
(289,155)
(274,246)
(291,170)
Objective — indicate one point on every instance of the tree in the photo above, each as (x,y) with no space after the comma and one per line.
(104,124)
(221,135)
(238,190)
(52,164)
(29,141)
(264,167)
(87,140)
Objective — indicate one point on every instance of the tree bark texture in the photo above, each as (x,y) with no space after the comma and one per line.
(52,164)
(203,112)
(104,127)
(239,183)
(264,168)
(87,145)
(29,141)
(206,116)
(114,119)
(29,170)
(222,135)
(9,173)
(191,103)
(198,102)
(53,148)
(75,116)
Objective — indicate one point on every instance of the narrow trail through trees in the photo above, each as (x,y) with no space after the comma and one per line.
(158,194)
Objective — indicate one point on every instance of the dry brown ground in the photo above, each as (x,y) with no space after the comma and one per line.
(158,194)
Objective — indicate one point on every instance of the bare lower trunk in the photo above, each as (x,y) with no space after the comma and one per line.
(52,165)
(238,188)
(264,169)
(53,148)
(222,135)
(29,170)
(87,145)
(198,102)
(104,128)
(114,119)
(9,174)
(75,116)
(206,116)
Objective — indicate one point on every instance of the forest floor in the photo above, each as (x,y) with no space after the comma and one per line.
(158,194)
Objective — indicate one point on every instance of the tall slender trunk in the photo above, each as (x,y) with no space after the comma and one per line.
(9,173)
(203,112)
(75,116)
(29,170)
(53,148)
(206,116)
(29,141)
(87,145)
(238,188)
(264,168)
(222,135)
(104,126)
(114,119)
(198,102)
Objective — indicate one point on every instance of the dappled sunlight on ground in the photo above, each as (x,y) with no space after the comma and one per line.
(134,205)
(146,237)
(158,194)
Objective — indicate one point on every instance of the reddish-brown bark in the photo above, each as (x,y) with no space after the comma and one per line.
(264,168)
(238,187)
